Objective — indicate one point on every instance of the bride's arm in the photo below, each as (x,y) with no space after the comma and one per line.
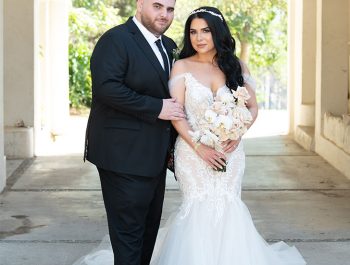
(251,104)
(177,90)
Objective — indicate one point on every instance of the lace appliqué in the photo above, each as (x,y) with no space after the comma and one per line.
(199,183)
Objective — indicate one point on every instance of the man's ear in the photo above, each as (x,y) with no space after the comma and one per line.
(139,4)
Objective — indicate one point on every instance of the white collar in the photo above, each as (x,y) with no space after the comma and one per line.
(151,39)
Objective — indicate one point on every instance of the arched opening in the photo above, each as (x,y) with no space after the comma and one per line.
(35,72)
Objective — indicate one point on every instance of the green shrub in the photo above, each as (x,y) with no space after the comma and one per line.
(79,75)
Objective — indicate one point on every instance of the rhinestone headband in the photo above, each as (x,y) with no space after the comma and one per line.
(206,11)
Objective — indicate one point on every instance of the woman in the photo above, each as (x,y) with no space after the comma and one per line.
(213,226)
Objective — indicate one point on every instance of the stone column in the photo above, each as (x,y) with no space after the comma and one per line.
(19,80)
(332,75)
(332,58)
(36,74)
(291,63)
(19,61)
(349,54)
(52,74)
(301,85)
(59,76)
(2,157)
(43,85)
(307,100)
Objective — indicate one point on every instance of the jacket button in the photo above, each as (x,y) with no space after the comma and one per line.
(168,129)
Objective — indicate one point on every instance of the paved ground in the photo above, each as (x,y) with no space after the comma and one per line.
(52,211)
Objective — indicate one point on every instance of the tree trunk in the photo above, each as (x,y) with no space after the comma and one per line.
(245,52)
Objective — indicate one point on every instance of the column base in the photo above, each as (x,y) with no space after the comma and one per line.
(337,130)
(19,142)
(3,174)
(305,136)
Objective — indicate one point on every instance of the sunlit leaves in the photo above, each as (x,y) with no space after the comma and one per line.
(88,20)
(259,26)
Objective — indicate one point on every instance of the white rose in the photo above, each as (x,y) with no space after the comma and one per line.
(210,116)
(226,122)
(209,138)
(242,93)
(205,139)
(226,98)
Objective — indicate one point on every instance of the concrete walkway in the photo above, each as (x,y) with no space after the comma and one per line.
(52,211)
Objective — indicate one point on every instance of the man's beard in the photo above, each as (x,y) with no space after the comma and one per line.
(152,28)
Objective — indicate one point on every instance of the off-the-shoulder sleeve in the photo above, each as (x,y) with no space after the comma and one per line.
(249,80)
(174,80)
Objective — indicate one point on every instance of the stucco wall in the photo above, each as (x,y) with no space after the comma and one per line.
(2,157)
(337,130)
(19,61)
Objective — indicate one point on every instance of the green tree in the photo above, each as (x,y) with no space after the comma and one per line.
(88,20)
(259,27)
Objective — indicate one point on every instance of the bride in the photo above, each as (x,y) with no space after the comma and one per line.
(213,226)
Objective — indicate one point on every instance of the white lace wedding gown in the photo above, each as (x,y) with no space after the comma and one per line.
(213,226)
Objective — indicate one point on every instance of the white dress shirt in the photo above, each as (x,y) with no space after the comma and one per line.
(151,39)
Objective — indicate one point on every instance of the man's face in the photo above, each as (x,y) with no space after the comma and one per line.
(156,15)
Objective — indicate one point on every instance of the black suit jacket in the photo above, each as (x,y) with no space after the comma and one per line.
(124,134)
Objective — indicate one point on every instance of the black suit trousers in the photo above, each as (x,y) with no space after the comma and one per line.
(134,207)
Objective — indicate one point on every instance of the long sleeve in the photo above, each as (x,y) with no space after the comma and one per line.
(109,65)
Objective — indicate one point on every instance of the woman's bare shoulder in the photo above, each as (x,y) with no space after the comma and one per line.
(180,67)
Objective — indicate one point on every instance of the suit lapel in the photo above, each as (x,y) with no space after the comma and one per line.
(147,50)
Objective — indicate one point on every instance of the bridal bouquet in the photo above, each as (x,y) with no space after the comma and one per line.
(226,119)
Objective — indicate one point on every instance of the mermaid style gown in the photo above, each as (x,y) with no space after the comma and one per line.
(212,226)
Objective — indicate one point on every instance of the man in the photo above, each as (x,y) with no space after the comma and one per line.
(129,129)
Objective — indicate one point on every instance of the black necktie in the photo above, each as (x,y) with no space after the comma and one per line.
(165,58)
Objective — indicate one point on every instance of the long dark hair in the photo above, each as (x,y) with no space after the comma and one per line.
(224,43)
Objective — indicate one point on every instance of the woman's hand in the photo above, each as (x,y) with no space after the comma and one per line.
(230,145)
(212,157)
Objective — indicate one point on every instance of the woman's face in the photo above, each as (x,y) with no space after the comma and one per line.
(201,37)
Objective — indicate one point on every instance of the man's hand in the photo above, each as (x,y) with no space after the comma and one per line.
(171,110)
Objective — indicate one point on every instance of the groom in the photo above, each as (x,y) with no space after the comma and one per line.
(129,131)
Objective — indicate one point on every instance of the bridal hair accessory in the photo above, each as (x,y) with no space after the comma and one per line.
(206,11)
